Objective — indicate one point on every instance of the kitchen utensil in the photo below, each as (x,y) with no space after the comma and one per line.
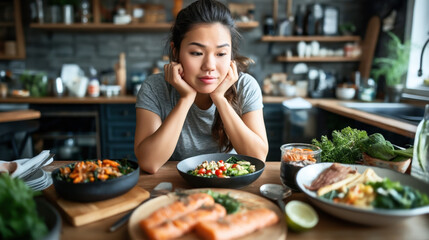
(36,167)
(160,189)
(276,192)
(233,182)
(99,190)
(364,216)
(248,200)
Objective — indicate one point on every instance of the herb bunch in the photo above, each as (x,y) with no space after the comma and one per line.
(18,214)
(344,146)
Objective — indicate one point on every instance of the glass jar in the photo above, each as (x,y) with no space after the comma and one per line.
(367,90)
(420,164)
(294,157)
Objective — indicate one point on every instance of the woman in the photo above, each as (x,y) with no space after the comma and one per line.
(202,103)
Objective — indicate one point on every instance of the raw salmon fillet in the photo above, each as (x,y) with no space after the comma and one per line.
(236,225)
(176,209)
(185,224)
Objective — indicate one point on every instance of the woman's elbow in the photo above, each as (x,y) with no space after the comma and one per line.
(148,169)
(146,166)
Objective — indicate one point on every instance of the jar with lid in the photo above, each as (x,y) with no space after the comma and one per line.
(420,164)
(94,84)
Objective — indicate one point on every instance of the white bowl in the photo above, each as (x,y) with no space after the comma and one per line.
(369,217)
(345,93)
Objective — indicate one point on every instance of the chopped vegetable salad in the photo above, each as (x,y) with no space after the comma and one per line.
(223,169)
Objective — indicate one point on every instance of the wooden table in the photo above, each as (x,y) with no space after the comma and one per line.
(19,115)
(328,227)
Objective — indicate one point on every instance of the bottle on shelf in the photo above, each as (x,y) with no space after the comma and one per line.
(94,84)
(299,20)
(420,164)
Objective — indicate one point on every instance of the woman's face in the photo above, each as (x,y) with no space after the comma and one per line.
(205,55)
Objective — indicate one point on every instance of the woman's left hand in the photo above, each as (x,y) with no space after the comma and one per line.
(229,80)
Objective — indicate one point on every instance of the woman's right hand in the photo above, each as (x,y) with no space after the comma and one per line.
(174,75)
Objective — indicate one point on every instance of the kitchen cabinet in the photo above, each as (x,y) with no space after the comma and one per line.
(118,124)
(274,124)
(12,43)
(321,39)
(98,25)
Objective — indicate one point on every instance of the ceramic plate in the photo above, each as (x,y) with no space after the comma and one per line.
(372,217)
(248,200)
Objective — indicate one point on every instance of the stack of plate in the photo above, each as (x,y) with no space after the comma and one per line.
(39,180)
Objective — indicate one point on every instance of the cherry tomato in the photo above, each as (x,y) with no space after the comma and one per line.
(223,168)
(202,171)
(209,172)
(218,172)
(234,165)
(220,162)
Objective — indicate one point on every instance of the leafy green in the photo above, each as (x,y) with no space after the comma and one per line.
(393,195)
(231,204)
(376,146)
(232,160)
(18,214)
(343,147)
(405,153)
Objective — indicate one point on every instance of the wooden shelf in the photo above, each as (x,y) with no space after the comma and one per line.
(317,59)
(311,38)
(103,26)
(9,57)
(120,27)
(247,25)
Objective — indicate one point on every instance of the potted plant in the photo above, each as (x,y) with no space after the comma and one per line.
(393,67)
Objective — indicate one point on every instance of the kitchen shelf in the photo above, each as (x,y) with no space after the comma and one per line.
(247,25)
(311,38)
(317,59)
(12,57)
(103,26)
(120,27)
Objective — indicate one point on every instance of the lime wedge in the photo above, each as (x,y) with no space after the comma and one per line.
(300,216)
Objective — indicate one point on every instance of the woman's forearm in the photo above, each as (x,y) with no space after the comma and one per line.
(156,149)
(245,140)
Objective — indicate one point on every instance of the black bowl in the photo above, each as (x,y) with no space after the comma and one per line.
(51,217)
(233,182)
(96,191)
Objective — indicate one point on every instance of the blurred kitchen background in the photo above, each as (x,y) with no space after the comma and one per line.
(306,48)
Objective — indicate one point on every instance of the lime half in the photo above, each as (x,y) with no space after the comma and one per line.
(300,216)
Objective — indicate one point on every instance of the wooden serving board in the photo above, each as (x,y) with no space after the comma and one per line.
(83,213)
(277,231)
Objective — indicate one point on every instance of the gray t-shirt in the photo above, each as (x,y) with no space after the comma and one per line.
(160,97)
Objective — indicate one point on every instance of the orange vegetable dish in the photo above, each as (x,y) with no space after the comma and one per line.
(91,171)
(298,154)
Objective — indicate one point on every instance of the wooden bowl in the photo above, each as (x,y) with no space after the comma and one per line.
(401,166)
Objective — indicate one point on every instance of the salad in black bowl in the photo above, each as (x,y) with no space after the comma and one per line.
(220,170)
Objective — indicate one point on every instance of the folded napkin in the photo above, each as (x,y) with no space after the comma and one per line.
(22,167)
(297,103)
